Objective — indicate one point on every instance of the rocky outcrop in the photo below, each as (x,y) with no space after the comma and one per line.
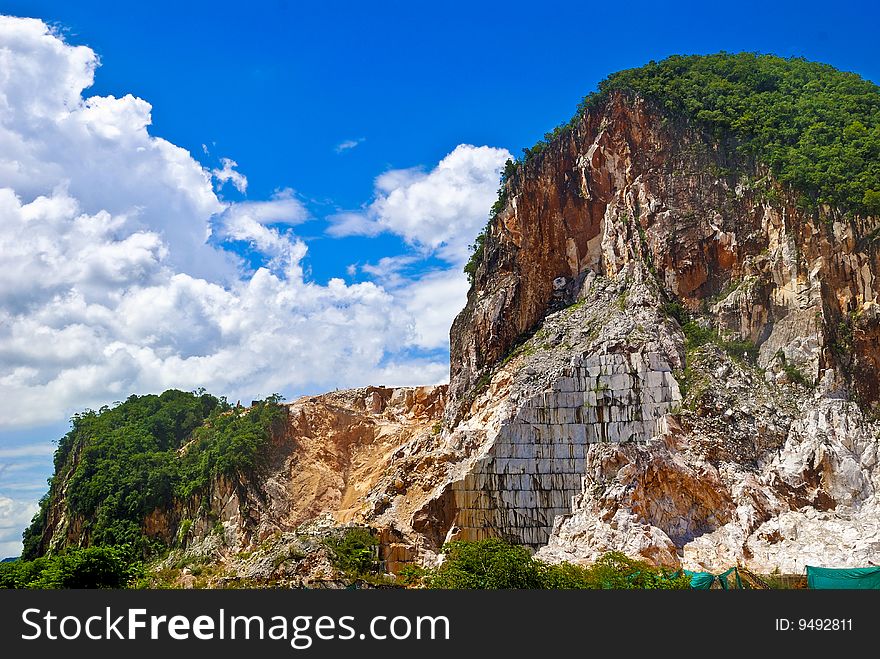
(629,184)
(657,212)
(581,418)
(661,354)
(330,450)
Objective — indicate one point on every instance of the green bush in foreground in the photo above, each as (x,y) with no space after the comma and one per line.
(496,564)
(485,564)
(93,567)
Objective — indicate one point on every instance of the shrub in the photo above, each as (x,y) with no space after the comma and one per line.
(354,552)
(566,576)
(616,571)
(485,564)
(412,576)
(92,567)
(496,564)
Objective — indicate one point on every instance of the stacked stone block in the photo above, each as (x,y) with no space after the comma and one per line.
(538,460)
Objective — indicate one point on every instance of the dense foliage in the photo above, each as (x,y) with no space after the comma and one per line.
(486,564)
(495,564)
(817,128)
(93,567)
(123,462)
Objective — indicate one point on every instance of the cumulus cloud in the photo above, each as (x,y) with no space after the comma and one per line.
(105,315)
(348,145)
(121,271)
(97,148)
(228,174)
(438,211)
(433,301)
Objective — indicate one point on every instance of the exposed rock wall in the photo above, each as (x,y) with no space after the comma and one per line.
(631,184)
(652,209)
(536,465)
(579,418)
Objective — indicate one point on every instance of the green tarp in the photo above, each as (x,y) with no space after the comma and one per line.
(704,580)
(851,578)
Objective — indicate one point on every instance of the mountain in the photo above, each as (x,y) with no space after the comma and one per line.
(669,348)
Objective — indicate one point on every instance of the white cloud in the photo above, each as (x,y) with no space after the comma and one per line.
(389,270)
(347,145)
(108,284)
(97,148)
(228,173)
(352,224)
(104,315)
(283,208)
(27,451)
(440,211)
(433,301)
(15,515)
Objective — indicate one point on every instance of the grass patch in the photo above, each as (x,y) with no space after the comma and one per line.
(793,374)
(697,335)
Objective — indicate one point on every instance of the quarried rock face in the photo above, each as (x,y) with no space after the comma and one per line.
(628,184)
(641,217)
(661,354)
(536,465)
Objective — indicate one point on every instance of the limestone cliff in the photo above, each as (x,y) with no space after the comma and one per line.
(663,352)
(568,361)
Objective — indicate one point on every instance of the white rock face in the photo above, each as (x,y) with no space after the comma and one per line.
(583,537)
(830,460)
(537,462)
(594,454)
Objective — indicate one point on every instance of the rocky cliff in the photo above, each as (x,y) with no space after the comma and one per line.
(664,351)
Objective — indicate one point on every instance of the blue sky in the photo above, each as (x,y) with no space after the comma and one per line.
(339,263)
(276,85)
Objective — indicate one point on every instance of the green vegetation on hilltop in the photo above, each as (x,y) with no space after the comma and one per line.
(123,462)
(817,128)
